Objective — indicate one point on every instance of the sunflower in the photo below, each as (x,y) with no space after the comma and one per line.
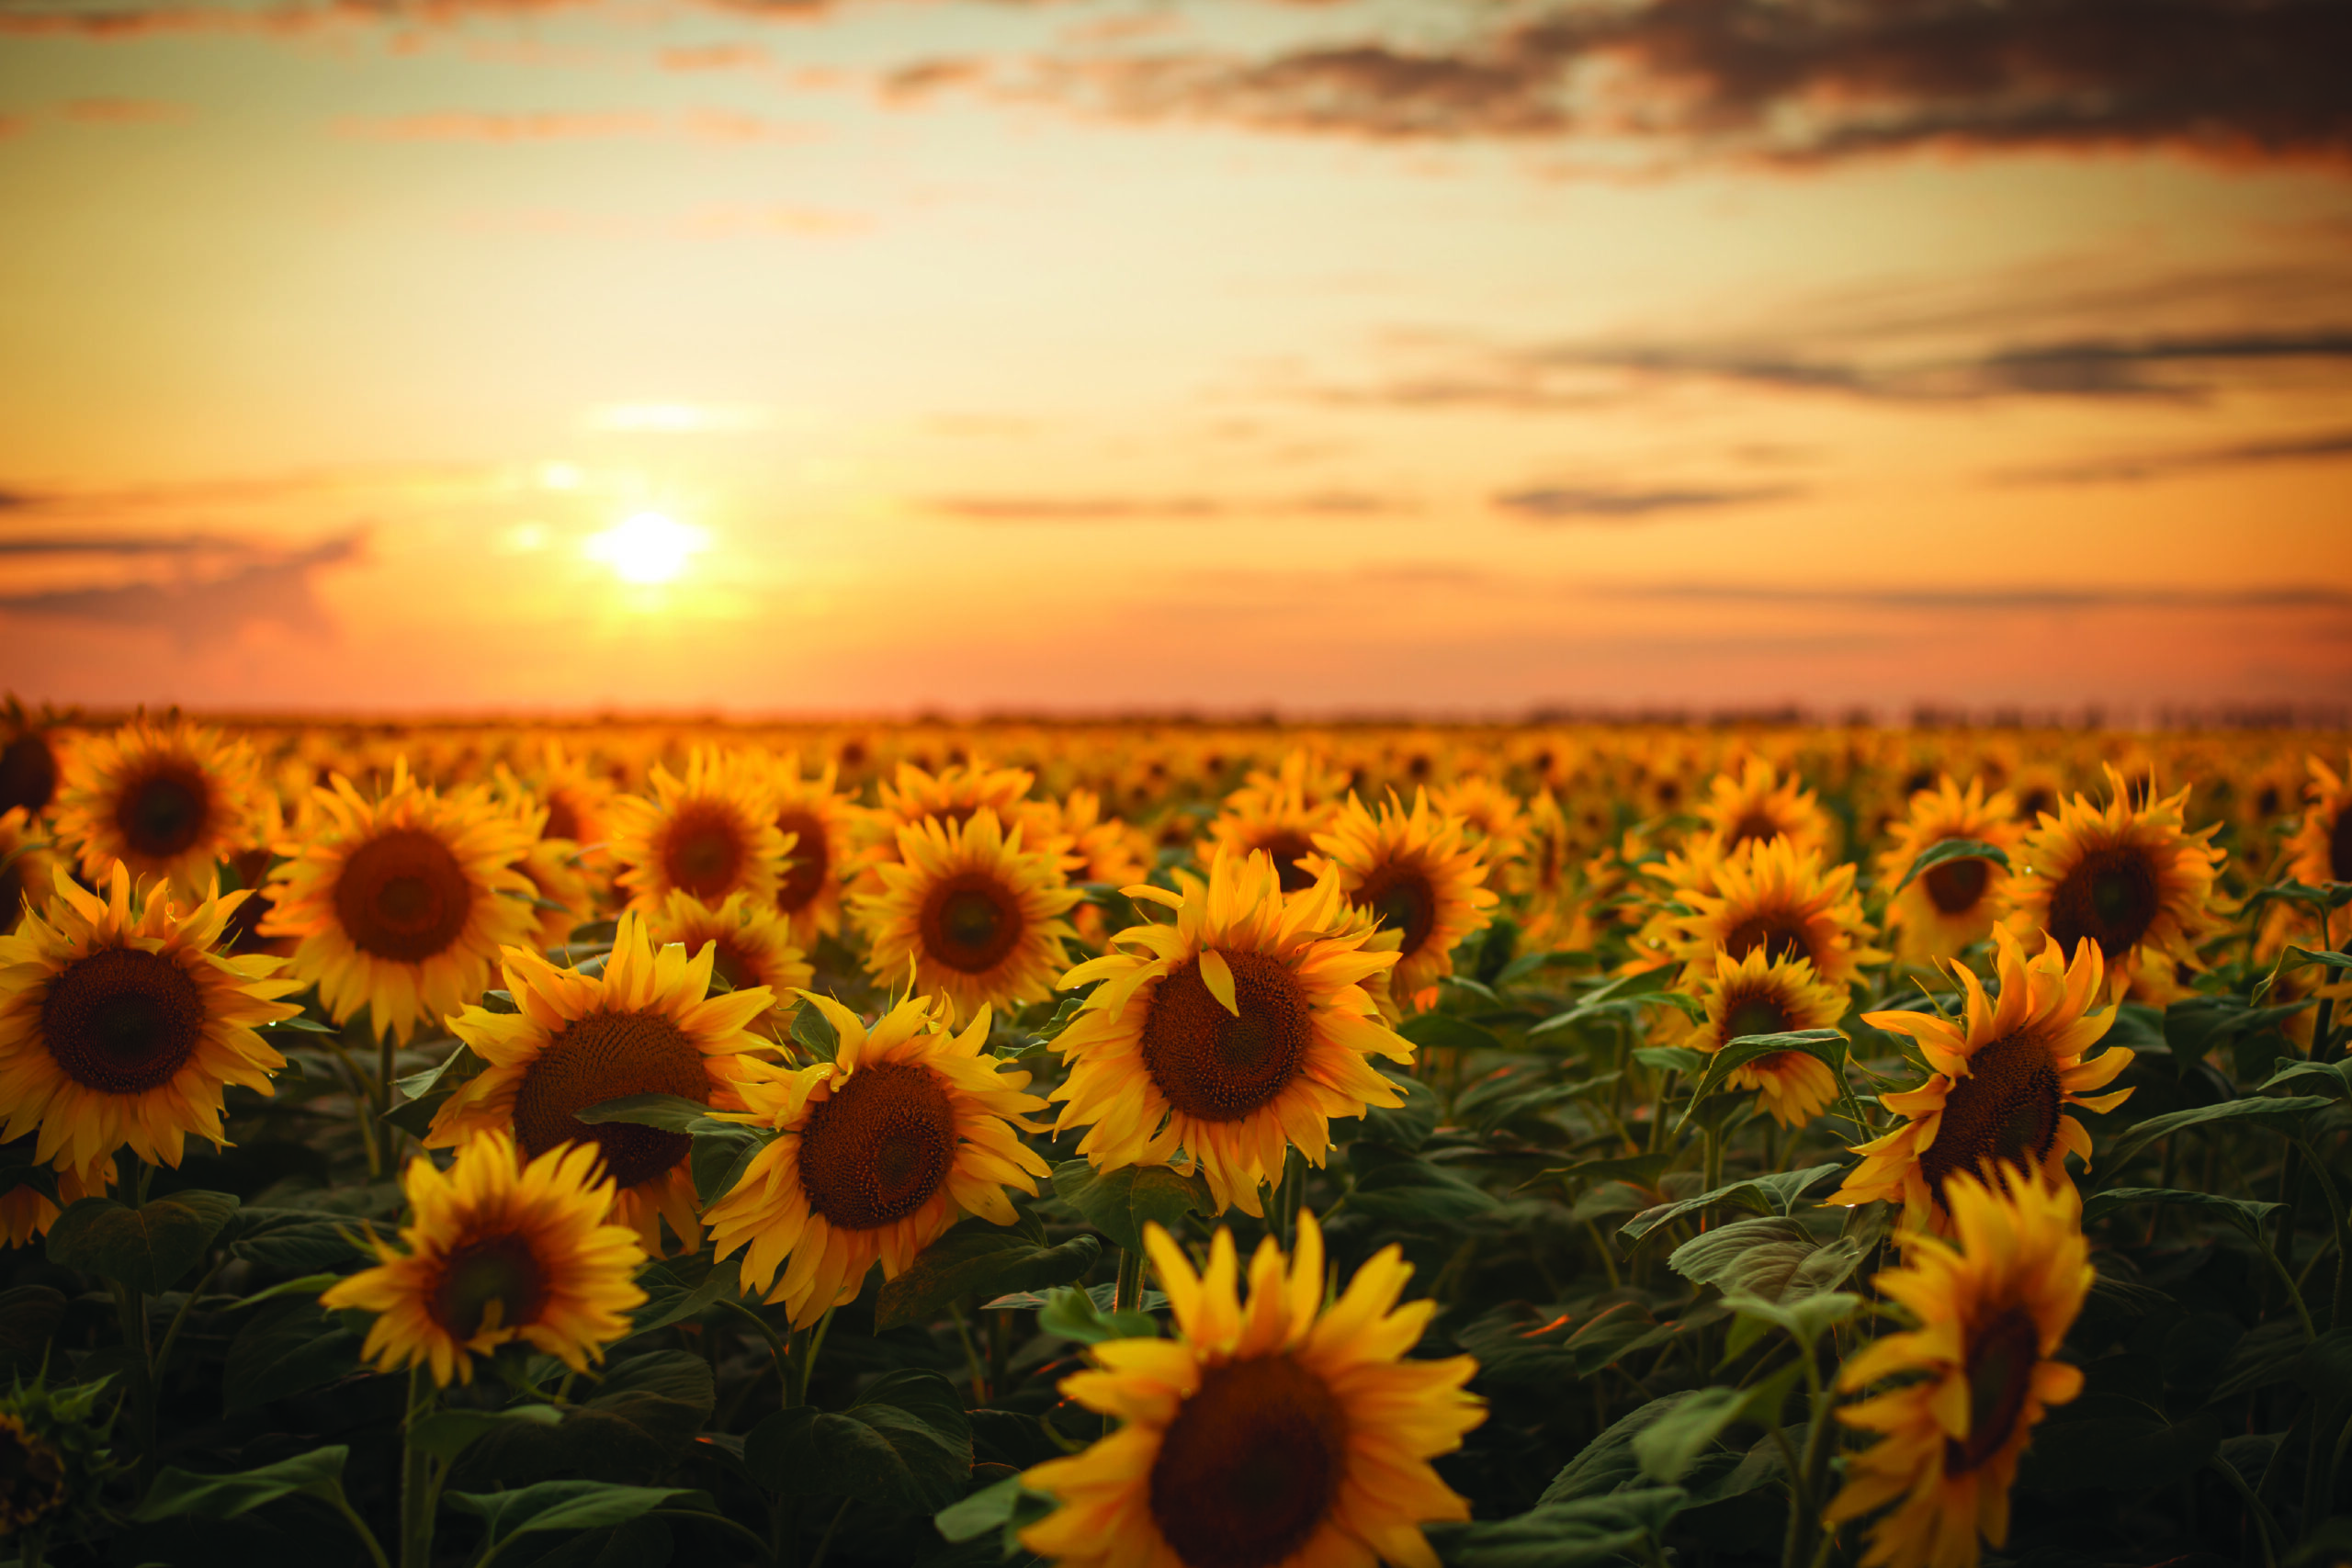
(815,818)
(2321,851)
(1498,823)
(167,801)
(750,945)
(1982,1366)
(952,796)
(2003,1075)
(498,1250)
(1760,805)
(1280,823)
(579,801)
(1282,1432)
(1955,903)
(1102,849)
(977,914)
(1416,870)
(1763,995)
(401,903)
(26,866)
(121,1025)
(1775,898)
(645,1024)
(27,1211)
(1242,1026)
(565,902)
(2128,878)
(909,1128)
(709,834)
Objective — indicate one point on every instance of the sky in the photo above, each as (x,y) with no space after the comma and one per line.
(1455,358)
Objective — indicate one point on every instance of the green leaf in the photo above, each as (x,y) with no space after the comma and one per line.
(180,1493)
(2246,1214)
(290,1346)
(1120,1202)
(1772,1258)
(1805,1320)
(1823,1045)
(1449,1032)
(1580,1534)
(2297,958)
(1779,1191)
(815,1034)
(299,1241)
(1641,1169)
(906,1444)
(1671,1060)
(980,1259)
(301,1025)
(722,1152)
(1407,1126)
(1607,1463)
(568,1506)
(1670,1446)
(423,1094)
(445,1434)
(681,1288)
(146,1248)
(670,1113)
(645,1413)
(2317,1078)
(2280,1115)
(1006,1507)
(1075,1315)
(1407,1190)
(1945,851)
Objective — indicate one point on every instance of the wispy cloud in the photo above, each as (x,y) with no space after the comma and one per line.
(2327,446)
(564,125)
(219,585)
(123,111)
(1552,504)
(1159,508)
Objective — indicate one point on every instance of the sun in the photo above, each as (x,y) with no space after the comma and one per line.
(648,547)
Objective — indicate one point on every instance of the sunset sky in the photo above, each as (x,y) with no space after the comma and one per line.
(1455,356)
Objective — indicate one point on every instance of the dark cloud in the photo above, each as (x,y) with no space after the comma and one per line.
(2058,598)
(1158,509)
(1570,503)
(1802,81)
(243,585)
(2325,447)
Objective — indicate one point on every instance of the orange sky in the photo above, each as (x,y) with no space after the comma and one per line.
(1371,355)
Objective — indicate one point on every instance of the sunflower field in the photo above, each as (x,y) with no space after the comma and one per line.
(610,1144)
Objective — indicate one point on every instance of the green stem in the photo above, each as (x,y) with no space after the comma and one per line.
(362,1098)
(825,1545)
(2264,1525)
(775,1346)
(2335,1469)
(971,1357)
(419,1498)
(802,1365)
(1127,1294)
(696,1516)
(172,1334)
(1806,1515)
(385,1130)
(342,1504)
(2294,1296)
(2341,1221)
(130,1313)
(1293,1193)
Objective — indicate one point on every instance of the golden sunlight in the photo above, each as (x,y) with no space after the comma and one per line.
(648,547)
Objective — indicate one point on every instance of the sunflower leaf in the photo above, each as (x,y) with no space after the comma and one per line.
(815,1034)
(1780,1190)
(1007,1505)
(1450,1031)
(1669,1447)
(2323,1077)
(2281,1115)
(445,1434)
(568,1505)
(180,1493)
(288,1347)
(906,1444)
(1584,1533)
(2295,958)
(1120,1202)
(680,1288)
(1825,1045)
(670,1113)
(1944,852)
(980,1259)
(2246,1214)
(1079,1314)
(722,1152)
(146,1248)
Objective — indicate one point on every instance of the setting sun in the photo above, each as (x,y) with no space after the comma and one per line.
(648,547)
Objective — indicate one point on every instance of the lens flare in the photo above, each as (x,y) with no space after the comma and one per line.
(648,547)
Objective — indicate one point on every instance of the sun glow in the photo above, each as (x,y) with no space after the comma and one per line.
(647,547)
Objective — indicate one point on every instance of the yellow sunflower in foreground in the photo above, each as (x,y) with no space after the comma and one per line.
(1774,898)
(2129,878)
(1279,1432)
(497,1250)
(26,867)
(1993,1312)
(1956,902)
(1414,868)
(2321,851)
(1762,995)
(815,818)
(646,1025)
(2003,1076)
(978,915)
(1760,805)
(401,903)
(750,945)
(120,1026)
(709,834)
(1244,1025)
(909,1128)
(169,801)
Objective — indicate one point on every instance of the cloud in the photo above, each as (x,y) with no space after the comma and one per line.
(714,57)
(477,126)
(247,584)
(1794,80)
(2325,447)
(1156,509)
(123,111)
(2295,597)
(1567,504)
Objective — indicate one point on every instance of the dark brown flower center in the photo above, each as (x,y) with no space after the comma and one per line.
(1211,1064)
(2006,1110)
(2339,846)
(163,810)
(1250,1466)
(602,1056)
(122,1020)
(1755,827)
(877,1148)
(402,896)
(1955,886)
(13,891)
(32,1478)
(1778,932)
(1405,900)
(563,819)
(1287,848)
(970,921)
(28,774)
(804,873)
(726,961)
(2110,898)
(498,1270)
(242,933)
(2001,1358)
(1755,1015)
(704,851)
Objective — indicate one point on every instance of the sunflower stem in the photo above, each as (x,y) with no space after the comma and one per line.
(2264,1525)
(419,1494)
(817,1559)
(2339,1220)
(1127,1294)
(388,1135)
(971,1356)
(1293,1194)
(130,1311)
